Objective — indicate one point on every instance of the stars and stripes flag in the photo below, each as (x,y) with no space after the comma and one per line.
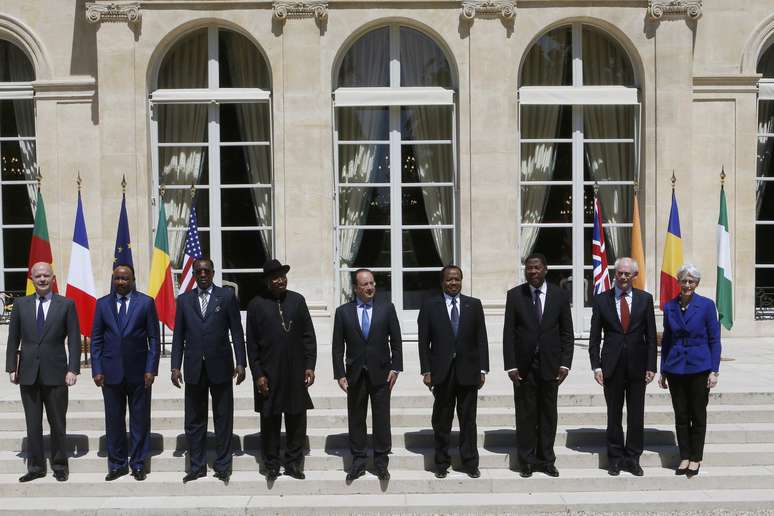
(599,253)
(193,251)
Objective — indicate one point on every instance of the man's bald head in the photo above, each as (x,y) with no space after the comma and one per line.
(42,277)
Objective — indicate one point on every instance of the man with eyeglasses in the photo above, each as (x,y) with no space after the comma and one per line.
(625,363)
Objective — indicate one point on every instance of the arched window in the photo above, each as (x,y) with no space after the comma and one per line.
(211,127)
(579,126)
(764,181)
(395,134)
(18,164)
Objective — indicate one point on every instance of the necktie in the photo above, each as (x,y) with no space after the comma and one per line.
(41,318)
(624,312)
(122,312)
(538,306)
(365,322)
(204,296)
(455,316)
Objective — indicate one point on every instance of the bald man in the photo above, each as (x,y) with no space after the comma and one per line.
(40,323)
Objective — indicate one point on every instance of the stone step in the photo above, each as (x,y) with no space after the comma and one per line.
(401,482)
(411,437)
(333,459)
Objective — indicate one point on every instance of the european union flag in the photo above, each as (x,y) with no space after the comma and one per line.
(122,255)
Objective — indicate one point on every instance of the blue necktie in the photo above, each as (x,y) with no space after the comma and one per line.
(122,312)
(41,318)
(455,317)
(365,322)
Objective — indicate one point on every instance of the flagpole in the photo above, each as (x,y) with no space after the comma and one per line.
(162,189)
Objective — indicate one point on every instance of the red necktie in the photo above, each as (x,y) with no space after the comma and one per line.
(624,313)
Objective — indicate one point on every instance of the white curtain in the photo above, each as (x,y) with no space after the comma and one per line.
(367,62)
(20,70)
(422,62)
(765,150)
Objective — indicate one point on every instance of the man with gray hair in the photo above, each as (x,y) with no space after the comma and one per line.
(625,364)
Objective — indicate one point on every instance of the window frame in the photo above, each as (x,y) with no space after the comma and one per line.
(765,94)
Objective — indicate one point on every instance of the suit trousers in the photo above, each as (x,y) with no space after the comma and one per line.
(690,396)
(358,394)
(536,418)
(447,394)
(621,386)
(196,413)
(295,440)
(54,397)
(138,398)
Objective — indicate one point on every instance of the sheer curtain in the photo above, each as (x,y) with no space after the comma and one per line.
(765,150)
(184,67)
(20,70)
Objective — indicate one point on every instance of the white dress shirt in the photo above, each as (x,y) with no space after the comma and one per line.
(46,304)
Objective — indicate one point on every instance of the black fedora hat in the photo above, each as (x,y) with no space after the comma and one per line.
(273,267)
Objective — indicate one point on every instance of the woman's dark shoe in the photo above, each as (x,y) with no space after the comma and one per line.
(681,471)
(690,473)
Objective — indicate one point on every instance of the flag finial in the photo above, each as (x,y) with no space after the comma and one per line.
(193,190)
(722,175)
(123,184)
(636,188)
(162,189)
(39,179)
(674,179)
(596,188)
(78,180)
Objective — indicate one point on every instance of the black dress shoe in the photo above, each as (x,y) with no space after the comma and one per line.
(441,473)
(32,475)
(383,474)
(635,469)
(525,471)
(614,469)
(116,473)
(690,473)
(294,472)
(223,475)
(61,476)
(355,474)
(681,471)
(473,472)
(272,474)
(551,470)
(139,474)
(193,475)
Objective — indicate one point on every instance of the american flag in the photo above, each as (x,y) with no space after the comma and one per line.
(599,253)
(193,251)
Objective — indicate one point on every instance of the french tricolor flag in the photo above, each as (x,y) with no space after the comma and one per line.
(80,280)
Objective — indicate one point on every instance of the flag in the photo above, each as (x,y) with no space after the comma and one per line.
(160,286)
(193,251)
(40,247)
(80,279)
(673,257)
(638,254)
(122,255)
(599,253)
(723,290)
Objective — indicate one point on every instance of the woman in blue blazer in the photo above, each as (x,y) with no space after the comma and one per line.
(690,359)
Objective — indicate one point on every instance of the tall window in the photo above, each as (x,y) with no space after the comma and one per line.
(764,208)
(579,117)
(18,165)
(395,163)
(211,124)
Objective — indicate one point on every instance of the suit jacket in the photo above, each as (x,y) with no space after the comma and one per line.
(691,342)
(380,353)
(437,343)
(125,353)
(639,341)
(553,337)
(44,354)
(198,338)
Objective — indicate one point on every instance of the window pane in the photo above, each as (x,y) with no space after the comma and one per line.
(428,247)
(554,243)
(764,288)
(364,247)
(179,238)
(562,278)
(428,205)
(766,63)
(16,204)
(426,123)
(549,61)
(546,204)
(765,155)
(185,66)
(362,124)
(588,285)
(429,163)
(608,162)
(14,64)
(17,118)
(364,206)
(241,65)
(367,62)
(617,203)
(16,281)
(765,200)
(364,163)
(422,63)
(182,123)
(245,207)
(245,122)
(16,247)
(546,161)
(383,281)
(608,121)
(546,122)
(17,160)
(418,286)
(245,165)
(177,204)
(183,166)
(247,285)
(618,241)
(604,60)
(764,251)
(245,249)
(765,116)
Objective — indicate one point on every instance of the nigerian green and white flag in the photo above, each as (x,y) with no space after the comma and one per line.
(724,293)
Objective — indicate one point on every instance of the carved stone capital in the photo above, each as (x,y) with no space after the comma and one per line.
(126,12)
(505,9)
(658,9)
(316,9)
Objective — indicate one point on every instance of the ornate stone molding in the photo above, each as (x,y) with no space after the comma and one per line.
(127,12)
(658,9)
(505,9)
(316,9)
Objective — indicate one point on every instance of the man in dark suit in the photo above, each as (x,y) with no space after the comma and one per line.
(454,359)
(45,367)
(538,342)
(625,364)
(368,333)
(124,363)
(204,318)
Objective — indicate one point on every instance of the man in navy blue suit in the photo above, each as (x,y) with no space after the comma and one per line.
(204,318)
(125,361)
